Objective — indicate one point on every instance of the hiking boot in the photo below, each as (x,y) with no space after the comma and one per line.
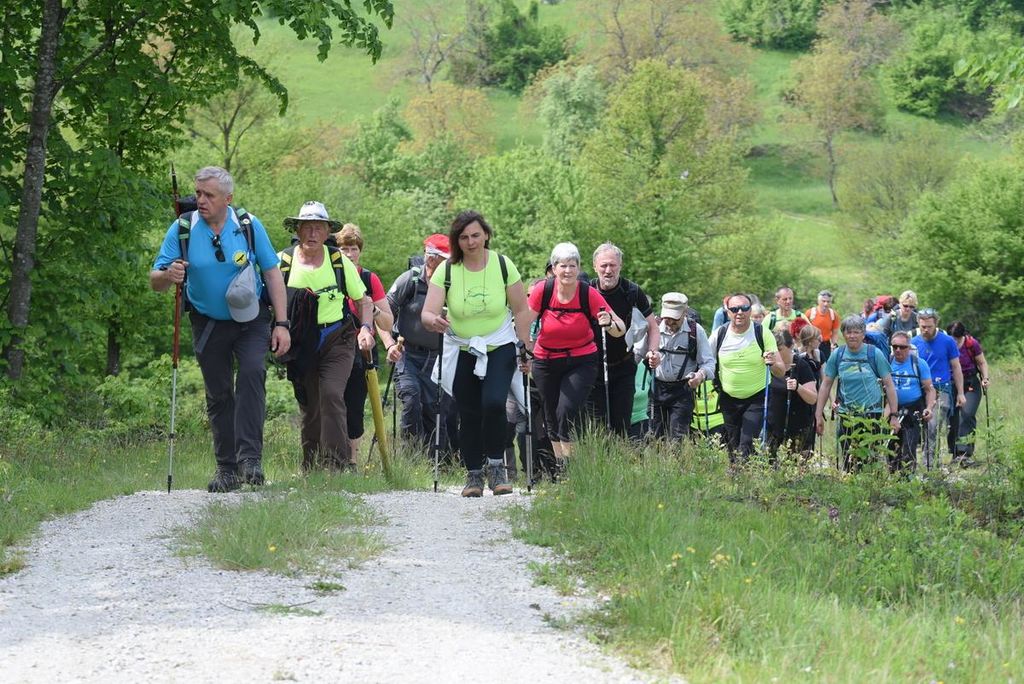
(224,480)
(497,477)
(474,483)
(251,472)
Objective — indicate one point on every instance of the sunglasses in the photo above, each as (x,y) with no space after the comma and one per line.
(219,252)
(737,309)
(929,313)
(901,346)
(908,306)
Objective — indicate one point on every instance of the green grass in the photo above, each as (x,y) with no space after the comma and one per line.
(796,575)
(307,529)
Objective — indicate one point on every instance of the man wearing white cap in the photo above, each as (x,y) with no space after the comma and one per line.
(414,361)
(213,253)
(686,362)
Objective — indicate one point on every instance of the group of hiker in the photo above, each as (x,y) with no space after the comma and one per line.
(462,330)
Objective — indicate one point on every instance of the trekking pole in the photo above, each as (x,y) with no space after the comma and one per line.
(789,398)
(529,429)
(604,363)
(175,346)
(437,407)
(988,425)
(384,402)
(764,415)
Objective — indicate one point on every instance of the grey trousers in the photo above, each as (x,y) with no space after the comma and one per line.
(236,413)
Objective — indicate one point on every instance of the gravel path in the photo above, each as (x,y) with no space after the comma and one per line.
(105,599)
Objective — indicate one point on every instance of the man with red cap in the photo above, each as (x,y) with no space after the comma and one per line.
(415,359)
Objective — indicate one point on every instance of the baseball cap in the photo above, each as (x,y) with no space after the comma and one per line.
(437,245)
(673,305)
(243,302)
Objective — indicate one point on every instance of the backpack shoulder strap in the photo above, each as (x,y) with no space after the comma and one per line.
(545,299)
(691,349)
(245,221)
(287,255)
(504,269)
(447,277)
(584,293)
(338,263)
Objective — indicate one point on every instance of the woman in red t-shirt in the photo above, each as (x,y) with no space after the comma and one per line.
(350,242)
(565,361)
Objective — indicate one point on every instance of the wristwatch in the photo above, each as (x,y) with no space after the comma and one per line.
(367,326)
(283,324)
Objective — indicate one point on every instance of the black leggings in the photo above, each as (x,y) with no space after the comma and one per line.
(481,404)
(744,419)
(564,385)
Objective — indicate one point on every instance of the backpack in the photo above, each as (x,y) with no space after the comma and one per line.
(636,327)
(917,369)
(185,222)
(717,344)
(810,318)
(549,290)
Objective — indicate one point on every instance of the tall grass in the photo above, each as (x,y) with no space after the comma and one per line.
(794,574)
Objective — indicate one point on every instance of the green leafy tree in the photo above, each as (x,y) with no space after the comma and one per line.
(658,182)
(922,76)
(113,75)
(963,247)
(882,182)
(570,108)
(833,95)
(530,198)
(508,50)
(1002,70)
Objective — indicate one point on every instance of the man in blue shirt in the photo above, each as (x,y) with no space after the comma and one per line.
(219,248)
(865,390)
(915,395)
(940,352)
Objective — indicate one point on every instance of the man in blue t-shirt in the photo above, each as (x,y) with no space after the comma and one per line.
(940,352)
(916,396)
(231,324)
(858,368)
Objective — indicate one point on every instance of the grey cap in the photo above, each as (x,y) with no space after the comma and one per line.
(243,302)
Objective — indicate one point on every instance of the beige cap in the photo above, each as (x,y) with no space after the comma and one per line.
(673,305)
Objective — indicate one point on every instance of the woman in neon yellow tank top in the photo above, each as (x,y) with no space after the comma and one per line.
(482,291)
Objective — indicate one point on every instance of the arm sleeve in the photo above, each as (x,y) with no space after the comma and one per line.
(597,301)
(377,292)
(705,357)
(266,256)
(643,302)
(170,248)
(533,299)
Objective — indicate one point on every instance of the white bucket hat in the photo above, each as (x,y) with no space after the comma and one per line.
(311,211)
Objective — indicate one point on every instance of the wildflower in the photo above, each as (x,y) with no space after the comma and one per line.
(661,506)
(676,556)
(959,620)
(748,580)
(690,549)
(271,548)
(753,564)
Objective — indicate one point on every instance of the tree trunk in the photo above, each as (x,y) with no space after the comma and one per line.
(32,187)
(830,149)
(113,346)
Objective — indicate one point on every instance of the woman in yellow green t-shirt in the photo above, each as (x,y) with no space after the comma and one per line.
(321,387)
(483,291)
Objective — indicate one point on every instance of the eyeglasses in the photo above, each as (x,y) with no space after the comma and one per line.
(219,252)
(901,346)
(737,309)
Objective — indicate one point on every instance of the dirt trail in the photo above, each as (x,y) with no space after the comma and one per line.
(104,598)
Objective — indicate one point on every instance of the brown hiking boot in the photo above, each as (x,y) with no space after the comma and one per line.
(474,483)
(497,477)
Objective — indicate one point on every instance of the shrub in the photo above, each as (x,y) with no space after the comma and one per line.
(782,24)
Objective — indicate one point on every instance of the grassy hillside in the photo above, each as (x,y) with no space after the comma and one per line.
(785,173)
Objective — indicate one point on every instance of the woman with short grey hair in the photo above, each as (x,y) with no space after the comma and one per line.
(565,354)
